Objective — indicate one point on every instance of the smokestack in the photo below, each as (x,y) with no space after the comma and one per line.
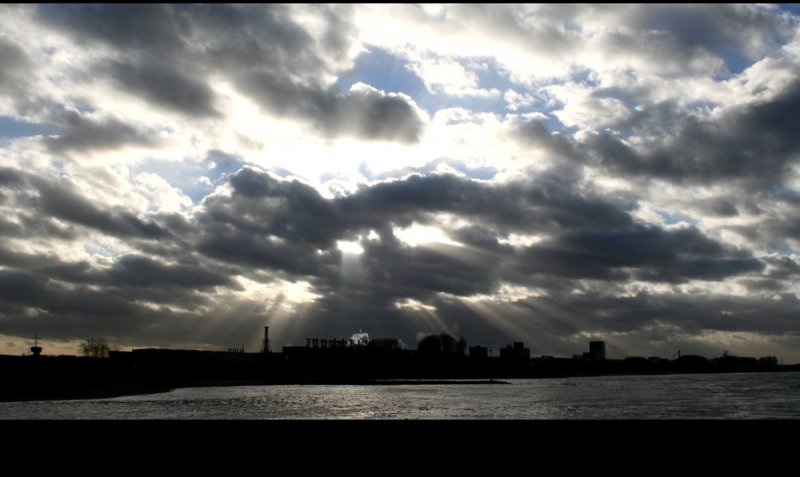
(265,347)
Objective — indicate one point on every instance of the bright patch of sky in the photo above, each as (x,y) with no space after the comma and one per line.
(671,218)
(196,178)
(475,84)
(11,128)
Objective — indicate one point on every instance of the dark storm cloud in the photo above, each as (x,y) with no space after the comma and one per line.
(60,200)
(21,289)
(547,203)
(753,142)
(285,225)
(589,267)
(70,297)
(8,228)
(15,65)
(722,207)
(756,142)
(772,223)
(267,38)
(11,177)
(673,57)
(721,29)
(166,85)
(18,287)
(561,202)
(418,272)
(167,51)
(259,253)
(36,225)
(645,253)
(81,133)
(285,228)
(17,75)
(50,266)
(366,114)
(692,314)
(124,27)
(775,231)
(481,238)
(225,37)
(415,195)
(535,132)
(269,222)
(782,267)
(143,272)
(289,210)
(30,303)
(763,285)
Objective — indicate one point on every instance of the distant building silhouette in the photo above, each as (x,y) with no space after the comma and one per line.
(325,343)
(597,350)
(478,352)
(515,351)
(327,361)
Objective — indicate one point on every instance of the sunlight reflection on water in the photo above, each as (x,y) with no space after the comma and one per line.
(729,396)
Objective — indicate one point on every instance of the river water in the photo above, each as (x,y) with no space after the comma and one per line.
(711,396)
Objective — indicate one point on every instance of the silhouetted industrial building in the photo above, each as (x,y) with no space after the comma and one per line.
(516,351)
(327,343)
(478,352)
(597,350)
(265,346)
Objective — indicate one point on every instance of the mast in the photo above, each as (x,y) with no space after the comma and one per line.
(36,350)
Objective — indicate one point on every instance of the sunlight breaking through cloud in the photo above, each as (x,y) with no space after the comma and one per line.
(176,175)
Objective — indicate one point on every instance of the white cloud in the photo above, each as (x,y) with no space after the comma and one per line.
(442,75)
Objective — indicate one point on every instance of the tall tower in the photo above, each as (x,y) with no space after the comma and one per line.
(36,350)
(265,346)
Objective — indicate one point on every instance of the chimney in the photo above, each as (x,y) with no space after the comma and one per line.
(265,347)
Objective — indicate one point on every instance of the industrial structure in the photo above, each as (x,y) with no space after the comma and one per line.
(36,350)
(323,361)
(597,350)
(265,347)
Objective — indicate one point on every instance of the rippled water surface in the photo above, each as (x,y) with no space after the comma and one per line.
(725,396)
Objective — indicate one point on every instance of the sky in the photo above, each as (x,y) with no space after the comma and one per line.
(181,176)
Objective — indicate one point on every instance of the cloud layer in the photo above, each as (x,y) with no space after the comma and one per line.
(176,175)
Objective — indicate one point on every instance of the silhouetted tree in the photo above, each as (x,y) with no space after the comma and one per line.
(448,343)
(430,345)
(768,361)
(95,348)
(442,343)
(385,343)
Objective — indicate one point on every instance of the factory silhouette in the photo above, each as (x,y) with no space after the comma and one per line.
(439,358)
